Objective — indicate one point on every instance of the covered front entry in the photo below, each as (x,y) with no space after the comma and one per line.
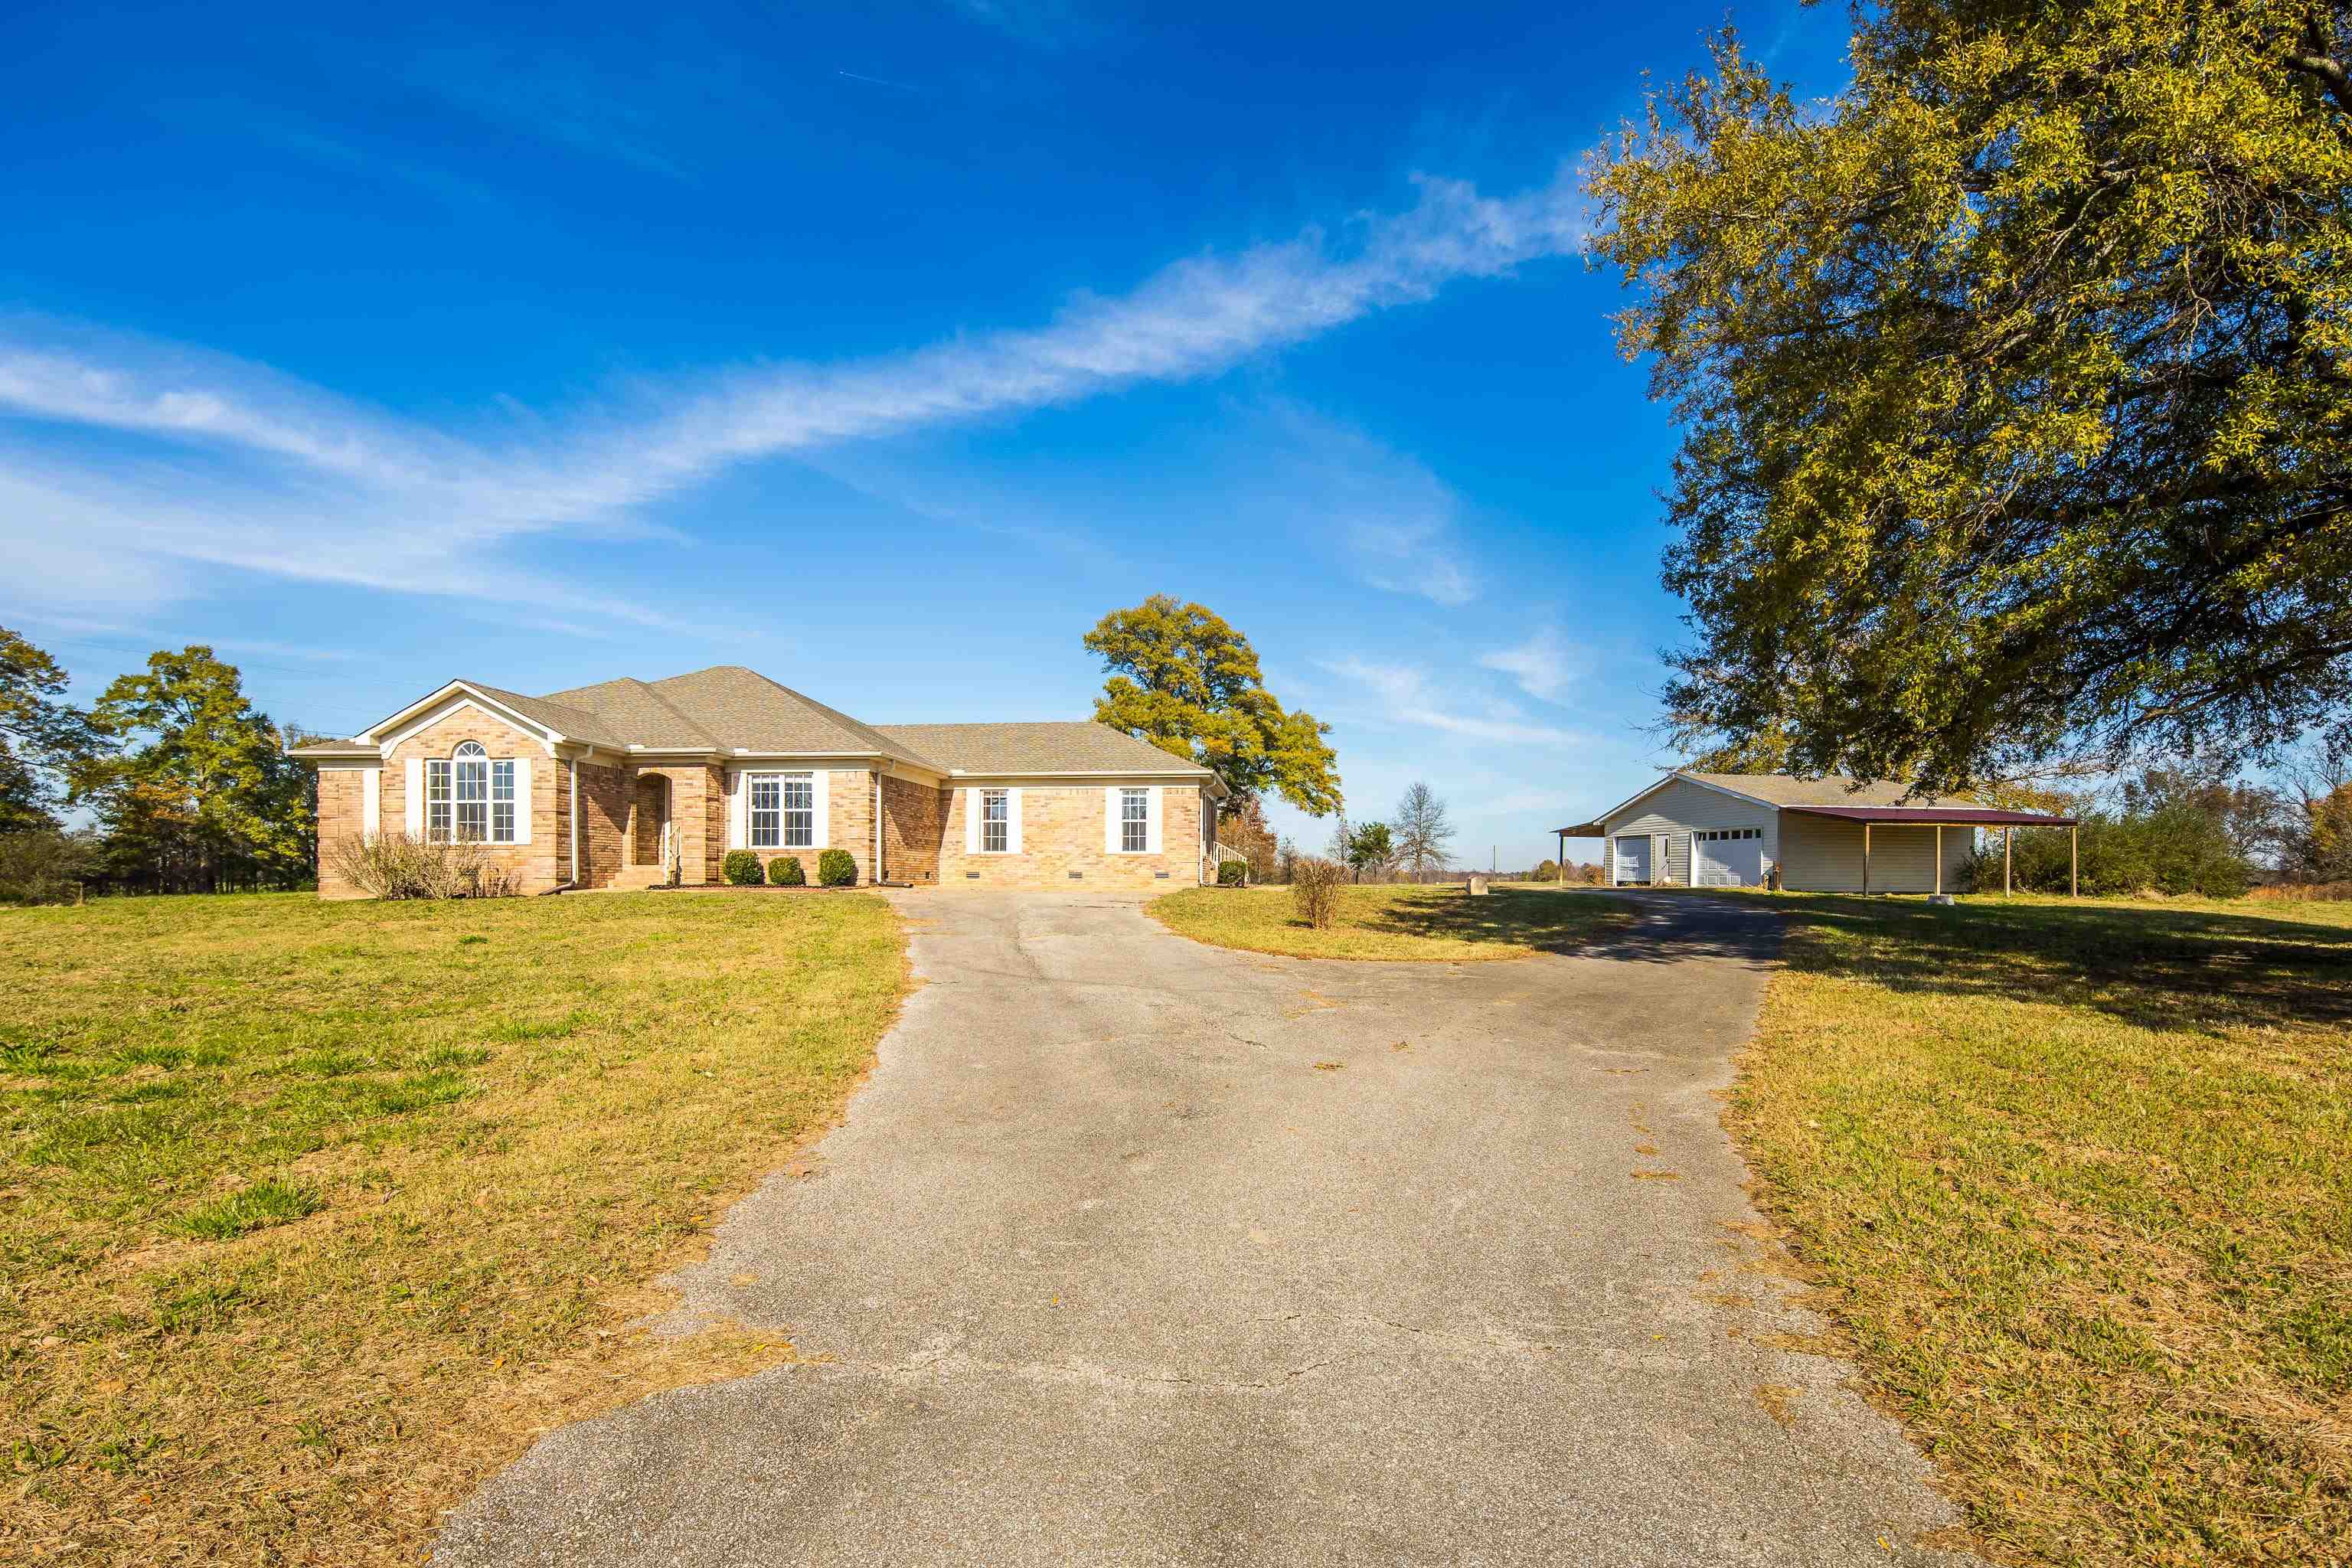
(649,821)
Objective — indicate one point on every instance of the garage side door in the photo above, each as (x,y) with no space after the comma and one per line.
(1633,857)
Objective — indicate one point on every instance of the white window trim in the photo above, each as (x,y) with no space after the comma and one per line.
(418,819)
(521,798)
(974,803)
(817,811)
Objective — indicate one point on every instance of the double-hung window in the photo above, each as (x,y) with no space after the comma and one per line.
(995,821)
(469,798)
(784,811)
(1134,820)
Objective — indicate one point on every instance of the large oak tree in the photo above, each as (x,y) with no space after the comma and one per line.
(1184,679)
(2015,381)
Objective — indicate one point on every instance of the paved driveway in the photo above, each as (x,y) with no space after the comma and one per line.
(1137,1251)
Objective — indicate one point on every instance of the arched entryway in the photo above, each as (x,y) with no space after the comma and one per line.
(649,813)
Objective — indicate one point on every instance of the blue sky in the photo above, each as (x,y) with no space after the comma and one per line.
(883,351)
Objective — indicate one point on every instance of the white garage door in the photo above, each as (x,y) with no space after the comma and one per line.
(1633,857)
(1731,857)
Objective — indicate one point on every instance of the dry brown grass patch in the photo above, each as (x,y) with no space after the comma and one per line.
(511,1115)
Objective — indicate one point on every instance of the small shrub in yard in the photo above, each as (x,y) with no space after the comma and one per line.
(1315,891)
(1231,873)
(836,868)
(784,871)
(402,866)
(742,868)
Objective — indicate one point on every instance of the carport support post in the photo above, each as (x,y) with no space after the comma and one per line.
(1865,856)
(1940,859)
(2073,862)
(2004,860)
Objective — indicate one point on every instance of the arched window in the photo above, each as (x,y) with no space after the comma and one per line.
(469,798)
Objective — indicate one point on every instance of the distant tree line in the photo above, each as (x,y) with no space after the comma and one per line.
(2191,827)
(181,785)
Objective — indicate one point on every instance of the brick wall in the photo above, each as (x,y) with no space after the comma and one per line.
(535,866)
(849,821)
(1062,832)
(341,815)
(698,805)
(603,813)
(911,815)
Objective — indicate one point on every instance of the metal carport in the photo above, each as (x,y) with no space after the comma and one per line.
(1942,816)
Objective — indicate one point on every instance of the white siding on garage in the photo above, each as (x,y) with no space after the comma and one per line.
(1678,807)
(1823,855)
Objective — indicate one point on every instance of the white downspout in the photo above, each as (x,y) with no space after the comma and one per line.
(878,827)
(575,821)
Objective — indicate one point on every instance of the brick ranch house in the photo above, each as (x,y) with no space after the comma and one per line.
(611,786)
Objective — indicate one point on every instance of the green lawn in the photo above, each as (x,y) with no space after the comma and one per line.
(2077,1181)
(313,1214)
(1439,924)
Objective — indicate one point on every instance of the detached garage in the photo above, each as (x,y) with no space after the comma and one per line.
(1826,834)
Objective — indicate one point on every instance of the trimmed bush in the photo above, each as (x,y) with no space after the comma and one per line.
(784,871)
(836,868)
(742,868)
(1231,873)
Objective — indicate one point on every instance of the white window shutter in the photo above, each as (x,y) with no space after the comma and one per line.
(970,820)
(738,830)
(370,802)
(1152,820)
(1110,820)
(821,806)
(1012,821)
(522,800)
(412,798)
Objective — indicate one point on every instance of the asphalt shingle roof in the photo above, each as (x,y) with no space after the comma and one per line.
(728,708)
(1830,789)
(1056,746)
(567,718)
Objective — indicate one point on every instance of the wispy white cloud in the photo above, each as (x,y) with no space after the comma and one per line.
(1396,522)
(236,465)
(1414,558)
(1544,665)
(1409,696)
